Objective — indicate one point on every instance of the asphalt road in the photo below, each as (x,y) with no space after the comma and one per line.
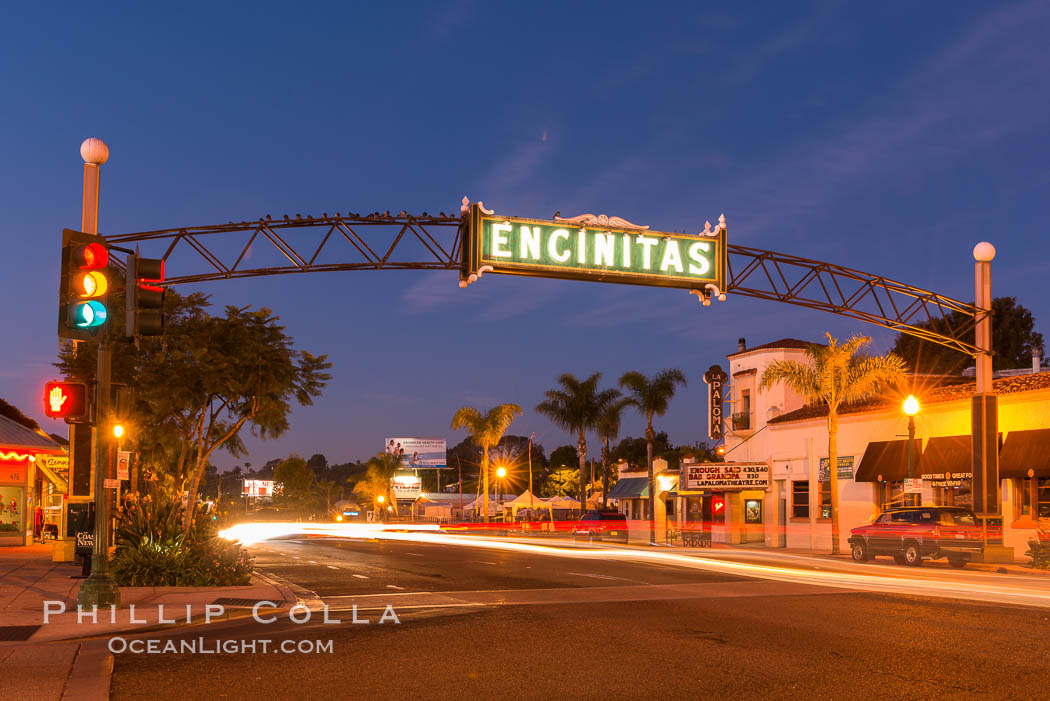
(523,625)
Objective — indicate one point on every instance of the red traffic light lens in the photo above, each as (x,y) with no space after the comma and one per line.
(91,256)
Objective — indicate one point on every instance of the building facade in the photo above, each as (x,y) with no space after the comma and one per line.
(776,428)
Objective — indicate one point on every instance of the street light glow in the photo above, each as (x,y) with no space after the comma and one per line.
(380,498)
(118,430)
(911,405)
(501,472)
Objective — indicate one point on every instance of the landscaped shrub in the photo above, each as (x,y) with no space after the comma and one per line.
(151,550)
(1039,550)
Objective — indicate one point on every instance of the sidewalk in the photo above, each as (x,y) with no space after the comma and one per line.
(53,660)
(640,540)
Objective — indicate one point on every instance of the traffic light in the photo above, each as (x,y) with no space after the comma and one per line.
(82,294)
(145,302)
(65,400)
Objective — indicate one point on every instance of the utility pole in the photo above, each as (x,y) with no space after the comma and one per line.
(99,589)
(532,495)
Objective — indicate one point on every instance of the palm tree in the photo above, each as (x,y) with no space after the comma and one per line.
(836,375)
(650,396)
(379,474)
(608,427)
(486,430)
(576,407)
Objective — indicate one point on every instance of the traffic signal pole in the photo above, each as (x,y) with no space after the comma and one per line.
(99,589)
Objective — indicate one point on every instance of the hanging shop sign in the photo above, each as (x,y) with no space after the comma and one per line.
(845,464)
(716,379)
(593,248)
(725,476)
(946,479)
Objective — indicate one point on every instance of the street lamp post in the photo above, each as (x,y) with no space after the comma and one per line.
(911,408)
(501,472)
(99,589)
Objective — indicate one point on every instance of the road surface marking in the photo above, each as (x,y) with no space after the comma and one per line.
(415,554)
(596,576)
(311,562)
(332,567)
(360,576)
(484,562)
(295,557)
(394,586)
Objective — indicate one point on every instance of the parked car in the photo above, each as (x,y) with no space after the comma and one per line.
(912,534)
(598,525)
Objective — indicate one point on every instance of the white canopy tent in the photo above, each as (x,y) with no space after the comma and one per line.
(528,500)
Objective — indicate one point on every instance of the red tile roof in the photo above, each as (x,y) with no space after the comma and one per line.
(943,393)
(782,343)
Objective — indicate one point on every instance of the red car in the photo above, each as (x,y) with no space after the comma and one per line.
(912,534)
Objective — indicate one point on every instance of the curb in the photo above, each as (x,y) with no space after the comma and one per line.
(292,591)
(92,672)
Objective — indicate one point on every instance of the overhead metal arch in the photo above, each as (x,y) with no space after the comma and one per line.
(384,241)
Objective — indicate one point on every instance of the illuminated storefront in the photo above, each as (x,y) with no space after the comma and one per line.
(21,510)
(873,455)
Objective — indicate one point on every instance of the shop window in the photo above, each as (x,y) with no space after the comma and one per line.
(1023,492)
(670,508)
(800,499)
(1043,497)
(893,494)
(824,494)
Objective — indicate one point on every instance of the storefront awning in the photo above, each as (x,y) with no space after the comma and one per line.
(1023,451)
(889,459)
(947,454)
(630,488)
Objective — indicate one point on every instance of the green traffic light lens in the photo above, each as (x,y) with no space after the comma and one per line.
(88,315)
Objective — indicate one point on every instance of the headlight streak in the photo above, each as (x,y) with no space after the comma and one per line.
(249,533)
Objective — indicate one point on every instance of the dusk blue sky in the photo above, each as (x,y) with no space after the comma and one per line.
(888,137)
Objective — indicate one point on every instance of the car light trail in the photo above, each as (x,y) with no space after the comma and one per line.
(249,533)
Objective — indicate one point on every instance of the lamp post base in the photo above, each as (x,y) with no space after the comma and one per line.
(98,591)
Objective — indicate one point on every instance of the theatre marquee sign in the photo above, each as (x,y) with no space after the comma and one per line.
(596,248)
(724,476)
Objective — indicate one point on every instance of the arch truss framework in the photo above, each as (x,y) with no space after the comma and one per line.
(384,241)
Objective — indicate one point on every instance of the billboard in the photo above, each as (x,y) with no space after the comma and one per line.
(406,486)
(725,476)
(418,453)
(257,488)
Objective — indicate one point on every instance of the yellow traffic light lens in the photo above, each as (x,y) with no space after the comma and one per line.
(93,284)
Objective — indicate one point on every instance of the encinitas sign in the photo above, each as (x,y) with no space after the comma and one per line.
(596,248)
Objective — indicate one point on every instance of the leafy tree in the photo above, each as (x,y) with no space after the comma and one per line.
(15,414)
(486,430)
(835,375)
(635,450)
(564,456)
(575,407)
(294,477)
(651,396)
(319,464)
(1013,339)
(560,482)
(206,378)
(608,426)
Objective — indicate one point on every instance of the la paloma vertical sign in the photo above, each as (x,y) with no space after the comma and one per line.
(716,379)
